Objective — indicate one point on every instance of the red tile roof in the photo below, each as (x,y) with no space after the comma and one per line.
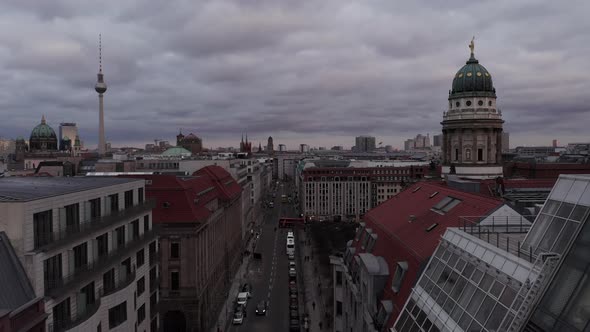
(184,199)
(392,217)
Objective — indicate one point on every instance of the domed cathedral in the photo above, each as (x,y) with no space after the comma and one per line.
(472,126)
(190,142)
(43,138)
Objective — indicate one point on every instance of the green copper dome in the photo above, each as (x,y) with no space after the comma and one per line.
(472,80)
(177,151)
(43,137)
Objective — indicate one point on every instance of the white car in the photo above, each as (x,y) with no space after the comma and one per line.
(291,256)
(292,272)
(242,298)
(291,264)
(238,318)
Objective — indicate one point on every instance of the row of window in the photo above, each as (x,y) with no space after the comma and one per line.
(480,155)
(468,103)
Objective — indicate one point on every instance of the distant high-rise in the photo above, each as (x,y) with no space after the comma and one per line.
(365,143)
(101,88)
(282,147)
(437,140)
(303,148)
(505,142)
(270,145)
(409,144)
(67,130)
(555,143)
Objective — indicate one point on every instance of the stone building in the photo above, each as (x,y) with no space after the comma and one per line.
(472,126)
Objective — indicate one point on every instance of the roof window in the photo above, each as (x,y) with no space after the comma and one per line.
(434,194)
(431,227)
(446,204)
(417,188)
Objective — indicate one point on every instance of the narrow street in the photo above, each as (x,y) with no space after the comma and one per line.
(268,276)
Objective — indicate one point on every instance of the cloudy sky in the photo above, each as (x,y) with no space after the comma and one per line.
(316,72)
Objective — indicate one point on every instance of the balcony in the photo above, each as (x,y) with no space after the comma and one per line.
(153,258)
(81,317)
(94,270)
(51,240)
(123,281)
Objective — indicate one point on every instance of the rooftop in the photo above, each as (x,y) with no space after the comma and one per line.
(21,189)
(15,288)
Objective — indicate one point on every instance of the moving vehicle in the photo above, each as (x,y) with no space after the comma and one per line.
(291,222)
(290,235)
(238,318)
(242,298)
(271,205)
(261,308)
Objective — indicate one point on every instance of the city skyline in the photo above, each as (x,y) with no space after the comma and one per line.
(268,68)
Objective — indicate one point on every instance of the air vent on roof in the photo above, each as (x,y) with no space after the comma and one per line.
(418,188)
(411,218)
(434,194)
(147,182)
(431,227)
(166,205)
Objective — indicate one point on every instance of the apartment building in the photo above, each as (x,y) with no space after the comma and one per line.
(200,219)
(375,276)
(88,248)
(496,279)
(342,189)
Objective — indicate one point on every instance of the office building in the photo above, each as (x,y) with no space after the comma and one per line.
(270,147)
(508,278)
(365,143)
(282,147)
(88,247)
(422,142)
(303,148)
(409,144)
(7,146)
(472,126)
(68,132)
(377,273)
(437,140)
(201,220)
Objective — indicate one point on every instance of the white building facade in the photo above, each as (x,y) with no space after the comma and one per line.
(89,248)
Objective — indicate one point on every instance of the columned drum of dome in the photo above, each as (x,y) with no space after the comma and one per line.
(43,138)
(472,125)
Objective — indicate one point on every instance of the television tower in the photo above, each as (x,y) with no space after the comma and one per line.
(101,88)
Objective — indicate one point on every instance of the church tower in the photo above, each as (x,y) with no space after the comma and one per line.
(472,126)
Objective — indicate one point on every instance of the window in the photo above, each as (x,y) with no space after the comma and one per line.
(72,217)
(479,154)
(467,154)
(140,286)
(117,315)
(43,228)
(135,229)
(120,235)
(103,245)
(174,280)
(114,200)
(175,250)
(89,294)
(339,278)
(146,223)
(52,271)
(490,103)
(480,103)
(446,204)
(457,104)
(141,314)
(398,277)
(108,280)
(61,315)
(95,208)
(456,154)
(468,103)
(140,257)
(338,308)
(80,255)
(140,195)
(128,199)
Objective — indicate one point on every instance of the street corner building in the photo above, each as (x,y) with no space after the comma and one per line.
(200,222)
(88,249)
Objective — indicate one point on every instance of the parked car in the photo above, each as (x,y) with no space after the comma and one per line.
(292,289)
(238,318)
(261,308)
(292,264)
(294,314)
(293,305)
(242,298)
(239,308)
(246,288)
(293,296)
(292,272)
(291,256)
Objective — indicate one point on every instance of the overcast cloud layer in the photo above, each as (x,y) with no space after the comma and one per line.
(316,72)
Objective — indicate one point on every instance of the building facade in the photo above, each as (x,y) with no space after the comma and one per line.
(493,280)
(200,218)
(472,126)
(68,131)
(88,248)
(270,147)
(365,143)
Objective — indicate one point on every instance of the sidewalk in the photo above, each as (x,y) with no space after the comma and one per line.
(316,289)
(226,313)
